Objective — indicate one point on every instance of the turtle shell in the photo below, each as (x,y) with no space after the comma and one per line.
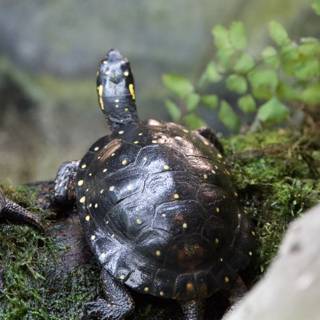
(160,213)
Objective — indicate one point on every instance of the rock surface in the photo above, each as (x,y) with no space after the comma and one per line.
(290,288)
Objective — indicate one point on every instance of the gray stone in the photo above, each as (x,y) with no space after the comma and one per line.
(290,288)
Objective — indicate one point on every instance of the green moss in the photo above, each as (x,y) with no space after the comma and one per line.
(277,177)
(34,288)
(276,173)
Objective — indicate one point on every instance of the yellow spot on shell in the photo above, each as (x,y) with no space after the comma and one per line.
(205,176)
(190,286)
(80,183)
(132,92)
(166,167)
(82,199)
(83,166)
(126,73)
(138,221)
(136,142)
(219,155)
(111,188)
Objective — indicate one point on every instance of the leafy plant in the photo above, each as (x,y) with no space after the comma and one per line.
(284,76)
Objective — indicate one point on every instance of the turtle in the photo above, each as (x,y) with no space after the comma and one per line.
(157,205)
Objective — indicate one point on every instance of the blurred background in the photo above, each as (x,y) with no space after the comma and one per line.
(49,52)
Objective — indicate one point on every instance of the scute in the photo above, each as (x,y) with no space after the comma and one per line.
(160,213)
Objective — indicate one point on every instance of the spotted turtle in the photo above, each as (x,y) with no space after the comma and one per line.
(156,204)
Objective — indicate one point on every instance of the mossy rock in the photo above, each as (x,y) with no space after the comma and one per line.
(51,276)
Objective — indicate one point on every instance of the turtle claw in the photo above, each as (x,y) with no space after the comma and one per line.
(102,310)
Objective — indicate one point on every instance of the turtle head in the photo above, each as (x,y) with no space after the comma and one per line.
(115,88)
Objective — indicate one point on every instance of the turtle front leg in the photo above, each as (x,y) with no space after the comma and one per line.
(193,309)
(64,185)
(14,213)
(117,306)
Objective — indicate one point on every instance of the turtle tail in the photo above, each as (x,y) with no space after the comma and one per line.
(115,87)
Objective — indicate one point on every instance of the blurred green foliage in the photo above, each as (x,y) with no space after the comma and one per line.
(284,76)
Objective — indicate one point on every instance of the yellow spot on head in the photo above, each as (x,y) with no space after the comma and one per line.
(100,93)
(83,166)
(216,240)
(146,289)
(226,279)
(122,277)
(126,73)
(140,133)
(124,162)
(217,209)
(131,89)
(136,142)
(176,196)
(121,132)
(205,176)
(158,253)
(87,218)
(111,188)
(184,226)
(219,155)
(161,293)
(126,109)
(138,221)
(82,199)
(80,183)
(105,170)
(96,149)
(96,205)
(93,237)
(250,253)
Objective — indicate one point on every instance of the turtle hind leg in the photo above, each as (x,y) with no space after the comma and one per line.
(117,306)
(14,213)
(210,135)
(64,185)
(193,309)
